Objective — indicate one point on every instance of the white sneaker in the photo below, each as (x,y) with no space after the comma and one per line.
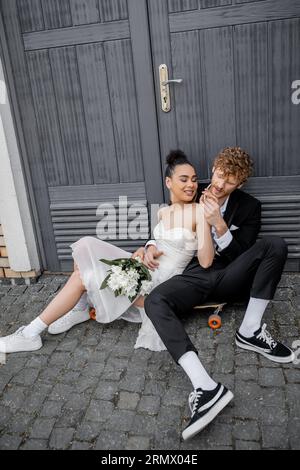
(18,343)
(73,317)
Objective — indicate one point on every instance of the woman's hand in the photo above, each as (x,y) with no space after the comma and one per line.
(151,255)
(139,252)
(148,256)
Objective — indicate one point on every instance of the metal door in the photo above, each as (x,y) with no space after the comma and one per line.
(239,62)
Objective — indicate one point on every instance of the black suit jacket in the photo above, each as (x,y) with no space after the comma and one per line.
(243,217)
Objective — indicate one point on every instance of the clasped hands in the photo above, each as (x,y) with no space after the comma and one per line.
(211,207)
(212,215)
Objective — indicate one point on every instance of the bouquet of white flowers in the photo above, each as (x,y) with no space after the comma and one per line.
(127,276)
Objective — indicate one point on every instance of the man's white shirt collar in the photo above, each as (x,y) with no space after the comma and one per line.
(224,206)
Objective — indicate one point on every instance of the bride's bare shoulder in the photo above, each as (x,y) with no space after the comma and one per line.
(162,212)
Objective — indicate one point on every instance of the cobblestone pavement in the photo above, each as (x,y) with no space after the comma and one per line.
(89,389)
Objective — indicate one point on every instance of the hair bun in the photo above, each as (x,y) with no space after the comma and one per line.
(175,157)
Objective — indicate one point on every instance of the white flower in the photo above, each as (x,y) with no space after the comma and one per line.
(146,287)
(116,269)
(132,273)
(128,282)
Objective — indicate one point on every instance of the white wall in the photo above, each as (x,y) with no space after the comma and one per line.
(15,215)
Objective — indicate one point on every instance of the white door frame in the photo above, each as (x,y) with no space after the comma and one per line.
(15,213)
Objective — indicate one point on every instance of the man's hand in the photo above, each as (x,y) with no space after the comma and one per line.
(151,256)
(211,207)
(212,212)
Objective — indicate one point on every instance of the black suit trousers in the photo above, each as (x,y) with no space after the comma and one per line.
(256,273)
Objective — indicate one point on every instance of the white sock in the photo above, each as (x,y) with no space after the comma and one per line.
(83,303)
(197,374)
(253,316)
(34,328)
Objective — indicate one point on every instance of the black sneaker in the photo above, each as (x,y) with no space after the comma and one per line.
(205,405)
(263,343)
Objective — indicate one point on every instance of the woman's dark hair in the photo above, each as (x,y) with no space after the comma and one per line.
(175,157)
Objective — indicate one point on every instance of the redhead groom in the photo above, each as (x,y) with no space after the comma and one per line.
(242,268)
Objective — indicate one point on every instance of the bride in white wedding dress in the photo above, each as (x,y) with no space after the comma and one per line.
(178,235)
(181,233)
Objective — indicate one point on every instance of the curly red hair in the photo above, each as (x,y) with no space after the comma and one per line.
(234,161)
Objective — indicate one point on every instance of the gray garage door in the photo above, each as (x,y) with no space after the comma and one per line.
(84,78)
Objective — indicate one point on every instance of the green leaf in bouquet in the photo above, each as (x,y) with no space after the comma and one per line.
(105,282)
(128,263)
(146,273)
(122,260)
(135,261)
(125,266)
(108,261)
(113,262)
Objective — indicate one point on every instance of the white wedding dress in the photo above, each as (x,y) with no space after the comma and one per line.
(179,246)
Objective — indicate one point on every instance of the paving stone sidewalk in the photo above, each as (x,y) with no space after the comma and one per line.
(89,389)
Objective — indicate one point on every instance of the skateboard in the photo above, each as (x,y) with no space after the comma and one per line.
(214,320)
(92,313)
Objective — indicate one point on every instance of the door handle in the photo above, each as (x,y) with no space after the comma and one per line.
(164,87)
(175,80)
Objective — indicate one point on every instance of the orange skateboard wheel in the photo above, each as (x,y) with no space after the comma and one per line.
(214,322)
(92,314)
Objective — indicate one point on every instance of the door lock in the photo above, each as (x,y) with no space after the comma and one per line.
(164,87)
